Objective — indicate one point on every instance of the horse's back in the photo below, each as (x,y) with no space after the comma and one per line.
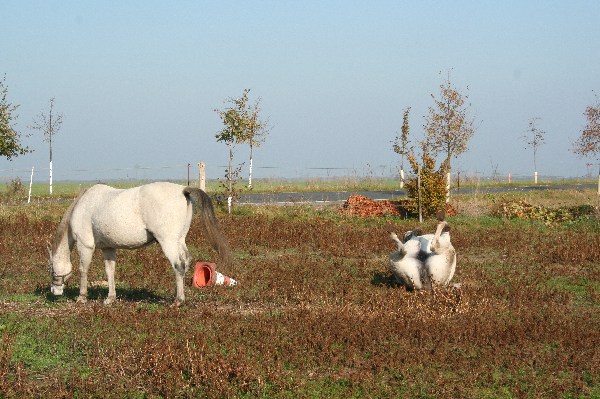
(130,218)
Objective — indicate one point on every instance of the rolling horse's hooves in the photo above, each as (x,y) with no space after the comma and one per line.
(441,215)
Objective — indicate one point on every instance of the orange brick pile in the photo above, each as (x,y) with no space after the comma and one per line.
(363,206)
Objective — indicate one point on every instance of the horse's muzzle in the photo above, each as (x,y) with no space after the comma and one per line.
(57,289)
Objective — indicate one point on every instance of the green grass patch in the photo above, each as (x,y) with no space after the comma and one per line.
(582,289)
(42,345)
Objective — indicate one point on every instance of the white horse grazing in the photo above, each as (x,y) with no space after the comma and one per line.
(406,266)
(109,219)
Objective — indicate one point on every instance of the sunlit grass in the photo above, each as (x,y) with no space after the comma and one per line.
(315,313)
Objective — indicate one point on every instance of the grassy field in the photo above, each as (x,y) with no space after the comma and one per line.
(70,189)
(316,313)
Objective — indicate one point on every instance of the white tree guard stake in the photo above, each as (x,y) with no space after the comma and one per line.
(202,176)
(229,200)
(401,178)
(50,177)
(535,177)
(30,184)
(250,175)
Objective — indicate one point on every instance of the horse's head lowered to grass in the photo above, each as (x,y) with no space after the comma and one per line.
(59,253)
(60,270)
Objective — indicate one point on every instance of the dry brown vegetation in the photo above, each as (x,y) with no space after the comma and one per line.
(316,314)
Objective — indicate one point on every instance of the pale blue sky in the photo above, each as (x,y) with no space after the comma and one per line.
(137,81)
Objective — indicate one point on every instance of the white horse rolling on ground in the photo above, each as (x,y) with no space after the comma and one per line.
(406,265)
(435,261)
(440,258)
(109,219)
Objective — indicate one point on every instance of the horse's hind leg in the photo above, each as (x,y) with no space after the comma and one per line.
(85,258)
(180,259)
(110,256)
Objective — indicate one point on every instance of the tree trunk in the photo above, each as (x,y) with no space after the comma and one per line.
(402,172)
(535,174)
(419,194)
(229,182)
(50,157)
(250,169)
(448,187)
(401,178)
(598,178)
(448,178)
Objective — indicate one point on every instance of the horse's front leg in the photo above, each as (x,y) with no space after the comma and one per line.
(85,258)
(110,257)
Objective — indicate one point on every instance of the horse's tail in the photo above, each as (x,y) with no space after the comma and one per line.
(203,204)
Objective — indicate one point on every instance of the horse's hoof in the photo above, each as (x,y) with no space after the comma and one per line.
(81,299)
(177,304)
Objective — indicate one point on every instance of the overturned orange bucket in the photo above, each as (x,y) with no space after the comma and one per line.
(206,274)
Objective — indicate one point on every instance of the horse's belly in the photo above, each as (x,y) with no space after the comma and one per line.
(121,234)
(438,268)
(129,242)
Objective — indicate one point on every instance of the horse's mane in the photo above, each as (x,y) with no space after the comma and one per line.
(63,226)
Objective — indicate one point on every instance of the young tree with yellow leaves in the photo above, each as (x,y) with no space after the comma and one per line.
(588,144)
(448,126)
(234,118)
(255,133)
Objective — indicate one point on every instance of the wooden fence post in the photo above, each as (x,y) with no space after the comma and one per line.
(202,175)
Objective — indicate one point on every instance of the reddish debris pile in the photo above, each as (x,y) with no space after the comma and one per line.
(363,206)
(358,205)
(450,210)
